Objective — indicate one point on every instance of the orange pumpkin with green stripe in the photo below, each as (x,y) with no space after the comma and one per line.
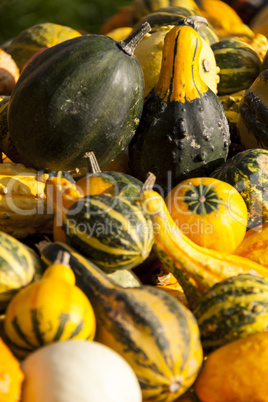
(49,310)
(183,130)
(155,333)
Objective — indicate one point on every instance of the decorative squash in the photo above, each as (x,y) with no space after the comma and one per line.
(29,41)
(17,267)
(247,172)
(259,43)
(254,245)
(108,182)
(172,16)
(183,130)
(223,18)
(11,375)
(210,212)
(52,129)
(196,268)
(49,310)
(9,73)
(239,65)
(252,122)
(146,326)
(231,104)
(123,277)
(142,8)
(112,231)
(78,371)
(235,372)
(232,309)
(149,54)
(23,207)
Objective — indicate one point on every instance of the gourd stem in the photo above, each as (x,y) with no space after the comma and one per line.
(149,182)
(128,45)
(93,166)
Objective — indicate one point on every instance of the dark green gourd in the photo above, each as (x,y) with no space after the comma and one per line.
(84,94)
(183,130)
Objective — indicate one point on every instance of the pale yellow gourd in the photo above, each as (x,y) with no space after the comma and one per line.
(78,371)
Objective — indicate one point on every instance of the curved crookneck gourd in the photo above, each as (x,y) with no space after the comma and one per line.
(183,130)
(196,268)
(149,328)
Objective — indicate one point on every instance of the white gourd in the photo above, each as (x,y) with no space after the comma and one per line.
(78,370)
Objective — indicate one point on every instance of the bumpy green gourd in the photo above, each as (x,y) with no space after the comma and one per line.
(183,130)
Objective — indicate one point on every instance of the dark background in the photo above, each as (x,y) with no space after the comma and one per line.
(86,15)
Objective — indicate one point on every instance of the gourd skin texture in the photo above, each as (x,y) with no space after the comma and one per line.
(112,232)
(78,370)
(49,310)
(236,372)
(183,130)
(210,212)
(239,65)
(252,122)
(156,334)
(232,309)
(69,101)
(17,268)
(247,171)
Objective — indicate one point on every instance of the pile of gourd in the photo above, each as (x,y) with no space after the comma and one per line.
(134,208)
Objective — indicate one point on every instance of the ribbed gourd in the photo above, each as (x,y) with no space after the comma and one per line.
(19,266)
(252,122)
(51,309)
(247,171)
(123,277)
(149,328)
(68,101)
(183,130)
(239,65)
(171,16)
(232,309)
(111,231)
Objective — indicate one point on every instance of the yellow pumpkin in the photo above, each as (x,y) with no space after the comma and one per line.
(210,212)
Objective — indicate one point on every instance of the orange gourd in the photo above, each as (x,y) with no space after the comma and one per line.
(210,212)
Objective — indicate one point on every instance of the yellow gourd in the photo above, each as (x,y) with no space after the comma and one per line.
(149,54)
(49,310)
